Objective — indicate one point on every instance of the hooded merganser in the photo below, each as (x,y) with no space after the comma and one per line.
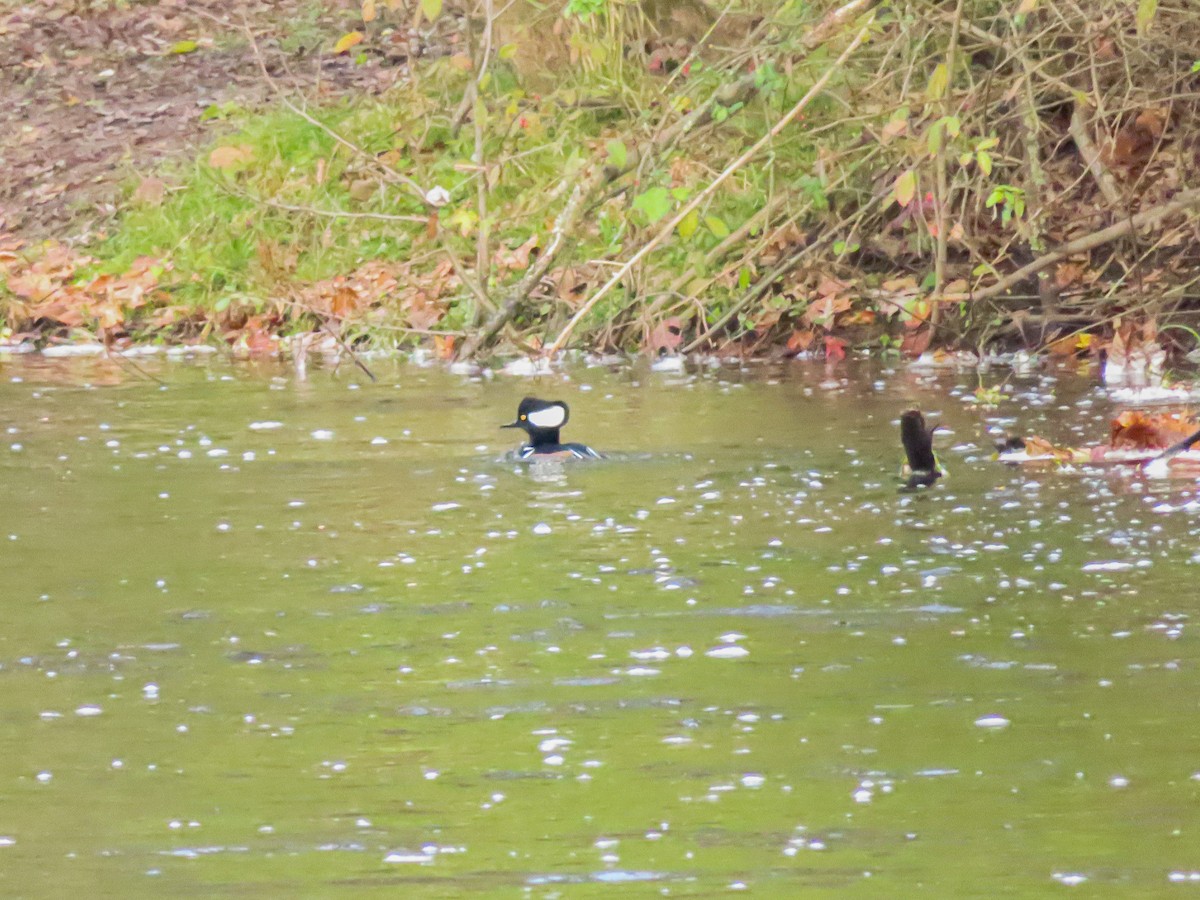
(541,420)
(918,447)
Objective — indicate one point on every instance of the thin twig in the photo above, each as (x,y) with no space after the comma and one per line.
(387,172)
(1184,200)
(941,183)
(1087,149)
(701,196)
(567,219)
(324,213)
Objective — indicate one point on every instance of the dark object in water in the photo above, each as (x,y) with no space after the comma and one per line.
(918,447)
(1158,465)
(541,420)
(1010,444)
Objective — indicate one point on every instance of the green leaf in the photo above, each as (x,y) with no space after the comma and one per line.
(985,161)
(717,226)
(988,143)
(681,193)
(934,138)
(938,82)
(1146,11)
(182,47)
(653,203)
(953,125)
(743,278)
(905,188)
(431,8)
(507,51)
(689,225)
(814,191)
(618,154)
(1196,67)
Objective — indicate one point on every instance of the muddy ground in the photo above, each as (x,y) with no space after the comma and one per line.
(96,94)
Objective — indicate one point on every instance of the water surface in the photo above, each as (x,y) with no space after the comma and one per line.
(287,637)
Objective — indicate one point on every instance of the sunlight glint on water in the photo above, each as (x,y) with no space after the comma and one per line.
(320,637)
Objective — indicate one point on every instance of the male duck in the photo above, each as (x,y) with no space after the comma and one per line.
(541,420)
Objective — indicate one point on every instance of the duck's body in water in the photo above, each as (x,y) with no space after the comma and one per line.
(917,439)
(541,420)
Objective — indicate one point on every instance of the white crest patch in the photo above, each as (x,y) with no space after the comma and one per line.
(550,417)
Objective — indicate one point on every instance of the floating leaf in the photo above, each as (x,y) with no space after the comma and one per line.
(905,188)
(348,40)
(431,8)
(618,154)
(717,226)
(181,47)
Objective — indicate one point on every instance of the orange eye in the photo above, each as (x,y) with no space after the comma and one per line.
(522,418)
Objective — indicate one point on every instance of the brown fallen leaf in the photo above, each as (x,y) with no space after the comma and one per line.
(1137,430)
(666,336)
(801,339)
(150,191)
(230,157)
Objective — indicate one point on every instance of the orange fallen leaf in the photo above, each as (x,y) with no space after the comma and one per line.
(1137,430)
(800,340)
(348,40)
(835,349)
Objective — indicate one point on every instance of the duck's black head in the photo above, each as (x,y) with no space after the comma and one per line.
(918,447)
(540,419)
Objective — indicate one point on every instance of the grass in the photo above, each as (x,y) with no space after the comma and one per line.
(227,243)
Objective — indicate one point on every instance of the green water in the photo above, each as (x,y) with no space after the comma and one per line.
(273,637)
